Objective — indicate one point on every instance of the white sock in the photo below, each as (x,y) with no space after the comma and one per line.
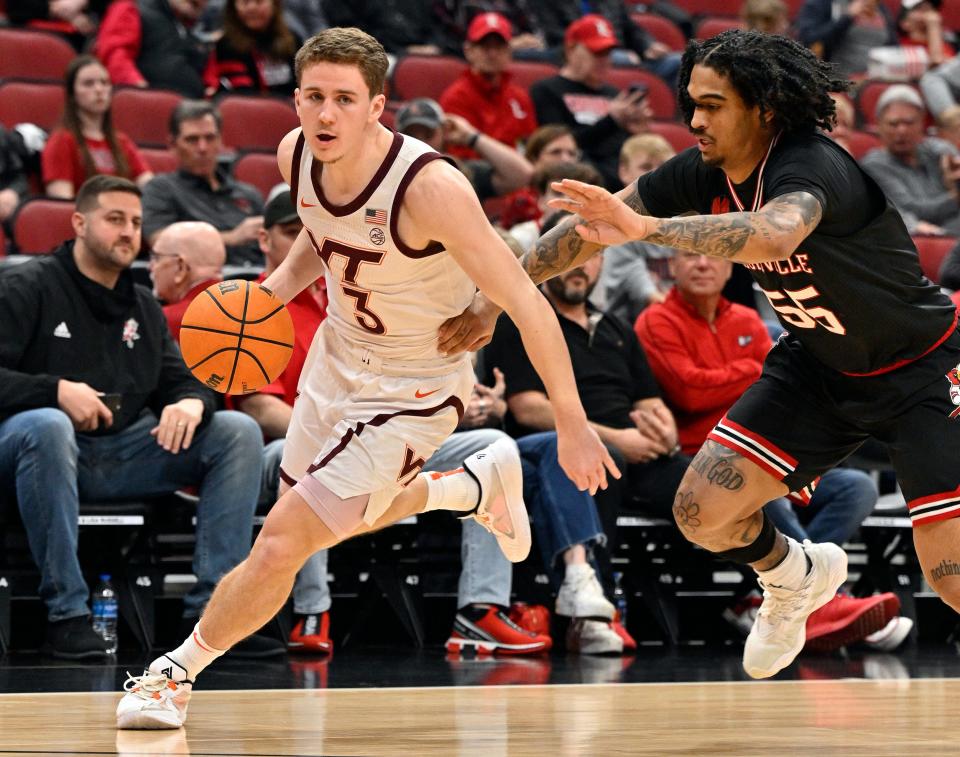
(575,571)
(453,490)
(188,660)
(792,569)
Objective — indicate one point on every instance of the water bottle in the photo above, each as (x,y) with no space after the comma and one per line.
(620,598)
(105,612)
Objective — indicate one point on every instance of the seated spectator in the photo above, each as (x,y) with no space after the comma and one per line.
(86,143)
(153,43)
(600,118)
(20,149)
(553,143)
(920,25)
(453,18)
(200,190)
(846,118)
(401,26)
(768,16)
(186,258)
(75,19)
(255,53)
(97,404)
(303,17)
(500,170)
(918,174)
(844,31)
(485,94)
(704,352)
(636,273)
(941,87)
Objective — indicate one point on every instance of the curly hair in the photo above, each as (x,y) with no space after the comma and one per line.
(775,73)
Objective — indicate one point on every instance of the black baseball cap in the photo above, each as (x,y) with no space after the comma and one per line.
(279,210)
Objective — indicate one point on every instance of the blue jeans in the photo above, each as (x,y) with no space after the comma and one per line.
(51,468)
(842,499)
(563,516)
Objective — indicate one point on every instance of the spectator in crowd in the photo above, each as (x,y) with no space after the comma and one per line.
(704,352)
(768,16)
(401,26)
(485,94)
(636,273)
(75,19)
(255,53)
(921,26)
(453,18)
(846,119)
(186,258)
(948,125)
(918,174)
(941,87)
(86,142)
(844,31)
(153,43)
(500,169)
(600,118)
(553,143)
(97,404)
(20,149)
(303,17)
(199,190)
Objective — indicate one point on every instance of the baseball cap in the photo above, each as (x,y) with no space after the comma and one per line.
(422,111)
(898,93)
(489,23)
(593,32)
(279,210)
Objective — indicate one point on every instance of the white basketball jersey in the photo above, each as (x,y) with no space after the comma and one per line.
(383,296)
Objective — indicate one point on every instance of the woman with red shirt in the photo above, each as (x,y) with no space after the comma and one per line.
(86,144)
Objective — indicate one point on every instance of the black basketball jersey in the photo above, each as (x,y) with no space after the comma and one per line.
(852,294)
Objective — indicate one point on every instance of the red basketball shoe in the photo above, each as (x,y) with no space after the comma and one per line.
(846,620)
(311,635)
(485,629)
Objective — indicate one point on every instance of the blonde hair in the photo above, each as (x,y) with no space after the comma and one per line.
(347,45)
(652,145)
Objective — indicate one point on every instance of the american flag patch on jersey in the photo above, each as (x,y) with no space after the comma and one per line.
(379,217)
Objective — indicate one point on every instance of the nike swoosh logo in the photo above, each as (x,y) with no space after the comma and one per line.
(420,395)
(307,204)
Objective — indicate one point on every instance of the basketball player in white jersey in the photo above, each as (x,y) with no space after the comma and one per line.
(403,242)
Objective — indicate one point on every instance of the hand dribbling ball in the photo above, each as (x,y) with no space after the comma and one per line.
(236,337)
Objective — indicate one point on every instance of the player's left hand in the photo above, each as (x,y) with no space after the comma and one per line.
(470,330)
(178,422)
(583,457)
(606,218)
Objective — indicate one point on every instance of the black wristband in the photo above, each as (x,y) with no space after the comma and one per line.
(472,142)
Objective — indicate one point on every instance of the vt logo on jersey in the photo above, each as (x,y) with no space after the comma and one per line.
(953,376)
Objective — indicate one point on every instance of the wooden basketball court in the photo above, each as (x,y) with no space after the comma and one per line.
(849,717)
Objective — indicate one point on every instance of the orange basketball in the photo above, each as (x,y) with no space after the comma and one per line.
(236,337)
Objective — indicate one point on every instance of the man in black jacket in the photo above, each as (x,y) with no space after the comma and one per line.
(97,403)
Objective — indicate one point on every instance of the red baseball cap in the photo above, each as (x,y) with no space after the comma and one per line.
(489,23)
(593,32)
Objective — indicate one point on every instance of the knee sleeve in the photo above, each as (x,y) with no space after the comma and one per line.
(761,547)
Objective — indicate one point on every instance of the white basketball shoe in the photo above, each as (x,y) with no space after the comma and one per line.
(154,700)
(501,510)
(779,631)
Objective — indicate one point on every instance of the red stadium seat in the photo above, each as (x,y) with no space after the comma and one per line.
(527,72)
(144,114)
(424,76)
(31,102)
(3,242)
(950,11)
(862,142)
(677,135)
(40,225)
(932,251)
(160,161)
(712,26)
(710,7)
(33,55)
(662,101)
(256,123)
(661,29)
(867,97)
(259,169)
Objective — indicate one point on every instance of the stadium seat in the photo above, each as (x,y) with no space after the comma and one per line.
(932,252)
(867,97)
(3,242)
(950,11)
(862,142)
(677,135)
(712,26)
(42,224)
(527,72)
(424,76)
(33,55)
(160,161)
(661,29)
(30,102)
(710,7)
(144,114)
(662,101)
(259,169)
(256,123)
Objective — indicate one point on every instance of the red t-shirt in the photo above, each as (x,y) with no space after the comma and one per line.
(61,159)
(702,368)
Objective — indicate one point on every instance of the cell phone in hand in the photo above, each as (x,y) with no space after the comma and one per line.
(639,87)
(112,401)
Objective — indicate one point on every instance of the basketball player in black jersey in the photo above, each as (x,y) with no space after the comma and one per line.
(871,348)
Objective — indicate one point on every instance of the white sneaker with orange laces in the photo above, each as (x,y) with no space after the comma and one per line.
(153,701)
(501,510)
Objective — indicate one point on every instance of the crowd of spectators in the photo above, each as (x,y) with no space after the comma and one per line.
(658,351)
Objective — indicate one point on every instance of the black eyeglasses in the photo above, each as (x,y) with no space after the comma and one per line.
(155,256)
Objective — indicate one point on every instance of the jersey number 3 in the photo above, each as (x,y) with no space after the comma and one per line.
(355,258)
(801,314)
